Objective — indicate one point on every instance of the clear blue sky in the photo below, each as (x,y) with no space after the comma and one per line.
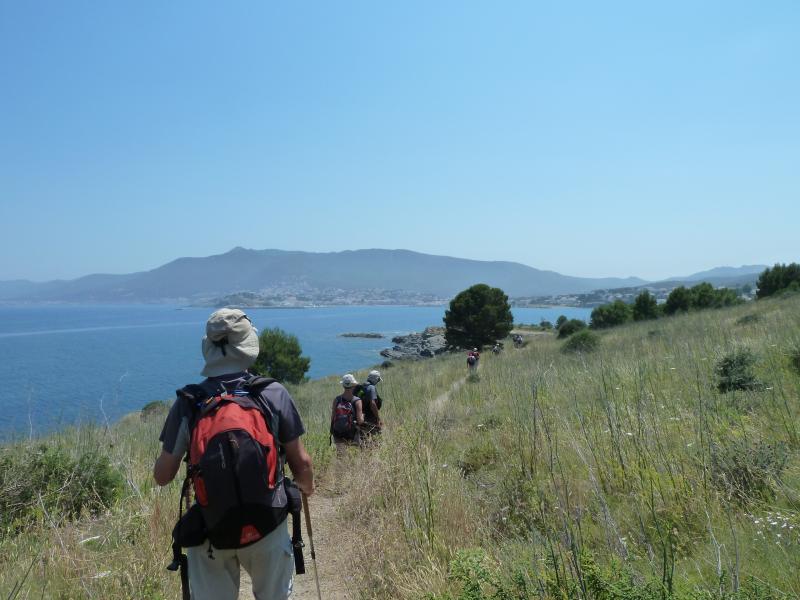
(591,138)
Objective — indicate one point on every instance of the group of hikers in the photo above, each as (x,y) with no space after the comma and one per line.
(236,431)
(355,413)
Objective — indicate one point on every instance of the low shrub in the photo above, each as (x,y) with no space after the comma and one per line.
(478,456)
(581,342)
(794,358)
(567,328)
(36,481)
(611,315)
(744,470)
(749,319)
(735,371)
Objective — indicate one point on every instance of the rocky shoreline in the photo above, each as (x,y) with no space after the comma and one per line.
(416,346)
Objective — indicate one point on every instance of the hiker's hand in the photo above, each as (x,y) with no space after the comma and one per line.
(306,487)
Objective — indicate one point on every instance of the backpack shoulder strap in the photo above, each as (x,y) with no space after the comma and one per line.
(257,384)
(196,396)
(254,388)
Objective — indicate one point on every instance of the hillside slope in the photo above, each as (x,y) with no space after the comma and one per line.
(625,473)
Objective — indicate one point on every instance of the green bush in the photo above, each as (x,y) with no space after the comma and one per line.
(745,470)
(735,371)
(778,278)
(645,307)
(679,300)
(581,342)
(794,357)
(477,456)
(35,480)
(279,356)
(749,319)
(699,297)
(611,315)
(567,328)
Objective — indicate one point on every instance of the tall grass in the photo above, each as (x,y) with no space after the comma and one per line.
(620,473)
(577,475)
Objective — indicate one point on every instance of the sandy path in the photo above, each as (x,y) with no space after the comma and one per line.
(335,573)
(332,569)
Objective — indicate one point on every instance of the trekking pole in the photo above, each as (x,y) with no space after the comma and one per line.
(307,513)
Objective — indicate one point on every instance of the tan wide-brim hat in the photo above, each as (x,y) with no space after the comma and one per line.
(230,344)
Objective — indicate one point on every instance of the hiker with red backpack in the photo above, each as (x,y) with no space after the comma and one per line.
(473,356)
(238,431)
(347,416)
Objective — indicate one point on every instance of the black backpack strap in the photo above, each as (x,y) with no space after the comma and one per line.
(295,506)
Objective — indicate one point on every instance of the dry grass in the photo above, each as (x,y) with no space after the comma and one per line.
(548,476)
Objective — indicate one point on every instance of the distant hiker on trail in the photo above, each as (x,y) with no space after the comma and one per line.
(347,416)
(252,425)
(497,348)
(473,356)
(371,403)
(517,340)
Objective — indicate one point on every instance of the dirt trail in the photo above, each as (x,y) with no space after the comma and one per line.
(334,582)
(438,403)
(327,546)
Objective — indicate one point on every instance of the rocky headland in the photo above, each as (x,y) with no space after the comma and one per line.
(415,346)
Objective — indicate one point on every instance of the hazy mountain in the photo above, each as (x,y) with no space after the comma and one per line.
(279,271)
(725,273)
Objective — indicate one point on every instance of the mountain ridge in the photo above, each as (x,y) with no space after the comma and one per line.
(289,273)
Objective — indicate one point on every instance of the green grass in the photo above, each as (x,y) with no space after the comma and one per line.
(626,465)
(622,473)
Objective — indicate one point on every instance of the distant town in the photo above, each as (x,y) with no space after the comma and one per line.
(283,298)
(304,296)
(599,297)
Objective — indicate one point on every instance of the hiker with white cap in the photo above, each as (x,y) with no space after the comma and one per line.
(371,403)
(347,416)
(252,425)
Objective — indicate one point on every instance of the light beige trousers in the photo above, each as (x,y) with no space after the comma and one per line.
(270,563)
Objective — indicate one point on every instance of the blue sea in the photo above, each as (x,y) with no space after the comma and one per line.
(71,364)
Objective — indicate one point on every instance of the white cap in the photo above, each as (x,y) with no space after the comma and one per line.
(374,377)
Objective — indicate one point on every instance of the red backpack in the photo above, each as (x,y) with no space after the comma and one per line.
(235,463)
(343,424)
